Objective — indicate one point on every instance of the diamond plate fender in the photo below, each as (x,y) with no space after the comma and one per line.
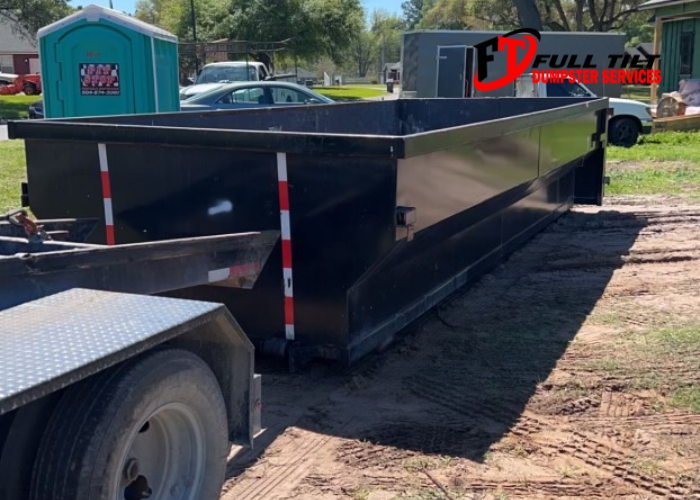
(51,343)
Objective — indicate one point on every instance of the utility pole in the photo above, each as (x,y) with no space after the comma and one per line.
(194,37)
(381,66)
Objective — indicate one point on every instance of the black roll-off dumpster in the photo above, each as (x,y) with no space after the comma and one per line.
(384,208)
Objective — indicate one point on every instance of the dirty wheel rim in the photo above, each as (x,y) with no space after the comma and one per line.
(164,457)
(625,133)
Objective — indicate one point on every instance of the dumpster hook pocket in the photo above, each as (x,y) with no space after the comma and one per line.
(405,222)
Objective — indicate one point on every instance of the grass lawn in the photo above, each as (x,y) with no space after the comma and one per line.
(13,107)
(12,173)
(351,92)
(663,146)
(666,163)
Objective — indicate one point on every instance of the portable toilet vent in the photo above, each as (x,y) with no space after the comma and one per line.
(102,62)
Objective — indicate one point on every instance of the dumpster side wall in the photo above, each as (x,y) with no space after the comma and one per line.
(341,212)
(341,216)
(478,191)
(474,202)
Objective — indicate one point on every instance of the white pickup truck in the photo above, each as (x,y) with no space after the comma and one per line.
(214,74)
(7,78)
(630,118)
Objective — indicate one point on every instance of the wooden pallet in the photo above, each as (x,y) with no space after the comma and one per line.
(691,122)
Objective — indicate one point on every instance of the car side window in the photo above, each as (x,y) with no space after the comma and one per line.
(251,95)
(284,95)
(565,89)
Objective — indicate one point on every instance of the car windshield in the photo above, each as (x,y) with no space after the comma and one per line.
(215,74)
(193,92)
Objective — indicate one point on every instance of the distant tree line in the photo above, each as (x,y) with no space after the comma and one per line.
(543,15)
(339,36)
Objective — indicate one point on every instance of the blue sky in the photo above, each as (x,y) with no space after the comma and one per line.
(128,5)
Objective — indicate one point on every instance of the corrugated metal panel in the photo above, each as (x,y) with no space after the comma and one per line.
(670,56)
(410,61)
(696,49)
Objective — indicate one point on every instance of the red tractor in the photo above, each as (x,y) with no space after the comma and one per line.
(29,84)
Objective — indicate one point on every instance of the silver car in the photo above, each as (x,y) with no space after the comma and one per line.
(252,95)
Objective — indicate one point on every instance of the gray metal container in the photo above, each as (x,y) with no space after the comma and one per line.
(420,57)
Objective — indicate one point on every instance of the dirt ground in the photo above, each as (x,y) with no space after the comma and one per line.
(569,372)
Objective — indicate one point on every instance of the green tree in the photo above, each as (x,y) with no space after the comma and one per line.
(27,16)
(363,53)
(316,27)
(175,16)
(638,29)
(413,12)
(386,30)
(446,15)
(550,15)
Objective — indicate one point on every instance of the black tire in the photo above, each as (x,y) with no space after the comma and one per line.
(30,89)
(82,455)
(623,132)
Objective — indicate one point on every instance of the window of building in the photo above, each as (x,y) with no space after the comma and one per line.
(7,65)
(687,42)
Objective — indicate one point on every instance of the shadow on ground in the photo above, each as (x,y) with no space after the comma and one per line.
(15,109)
(459,379)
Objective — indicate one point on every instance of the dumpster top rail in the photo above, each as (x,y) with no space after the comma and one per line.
(395,129)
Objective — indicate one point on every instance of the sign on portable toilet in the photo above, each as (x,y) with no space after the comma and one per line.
(99,61)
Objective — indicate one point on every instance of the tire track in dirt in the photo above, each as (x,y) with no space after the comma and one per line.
(658,422)
(601,456)
(555,487)
(481,374)
(297,464)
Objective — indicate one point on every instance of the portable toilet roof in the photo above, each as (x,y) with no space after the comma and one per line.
(103,62)
(95,13)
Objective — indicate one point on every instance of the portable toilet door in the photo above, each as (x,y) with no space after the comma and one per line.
(101,62)
(96,62)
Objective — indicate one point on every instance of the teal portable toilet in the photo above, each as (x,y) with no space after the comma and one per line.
(99,61)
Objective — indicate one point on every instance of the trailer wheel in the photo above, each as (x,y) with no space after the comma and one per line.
(623,132)
(154,427)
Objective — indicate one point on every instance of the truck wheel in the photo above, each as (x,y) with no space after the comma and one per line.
(29,89)
(154,427)
(624,132)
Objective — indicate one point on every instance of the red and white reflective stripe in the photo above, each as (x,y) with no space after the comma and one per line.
(106,193)
(286,245)
(239,271)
